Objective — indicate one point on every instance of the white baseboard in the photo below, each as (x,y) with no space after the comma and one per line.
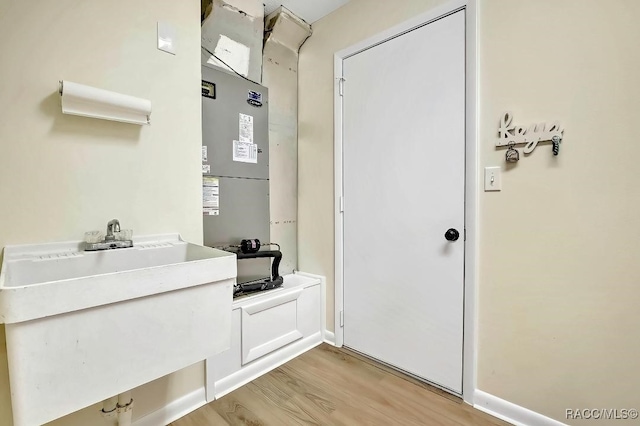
(174,410)
(265,364)
(329,337)
(510,412)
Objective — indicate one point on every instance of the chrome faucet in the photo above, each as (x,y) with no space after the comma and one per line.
(112,226)
(114,239)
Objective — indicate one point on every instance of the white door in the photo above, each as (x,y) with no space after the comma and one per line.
(403,188)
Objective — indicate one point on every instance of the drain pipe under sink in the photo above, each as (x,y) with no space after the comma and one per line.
(117,410)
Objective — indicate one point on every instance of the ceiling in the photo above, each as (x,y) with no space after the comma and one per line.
(309,10)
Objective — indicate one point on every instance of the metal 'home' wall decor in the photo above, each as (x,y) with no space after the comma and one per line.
(511,135)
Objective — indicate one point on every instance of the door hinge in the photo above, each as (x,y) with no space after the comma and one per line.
(341,318)
(465,234)
(341,81)
(341,204)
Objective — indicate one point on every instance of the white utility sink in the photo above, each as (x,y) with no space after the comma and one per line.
(85,326)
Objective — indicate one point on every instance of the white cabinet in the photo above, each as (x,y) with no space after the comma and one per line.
(267,330)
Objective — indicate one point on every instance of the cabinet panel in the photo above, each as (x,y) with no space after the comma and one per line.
(269,325)
(267,330)
(309,307)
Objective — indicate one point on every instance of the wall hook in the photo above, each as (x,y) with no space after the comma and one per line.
(509,133)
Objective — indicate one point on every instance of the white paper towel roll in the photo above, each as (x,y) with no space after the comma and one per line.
(87,101)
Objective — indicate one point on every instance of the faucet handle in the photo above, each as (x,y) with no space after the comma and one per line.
(112,226)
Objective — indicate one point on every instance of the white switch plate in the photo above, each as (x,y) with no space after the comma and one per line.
(166,37)
(492,179)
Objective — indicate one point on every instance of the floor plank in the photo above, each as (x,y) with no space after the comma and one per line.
(331,386)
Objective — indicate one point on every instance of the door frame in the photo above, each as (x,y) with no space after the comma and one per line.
(471,177)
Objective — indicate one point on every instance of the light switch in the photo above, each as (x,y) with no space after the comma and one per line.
(492,179)
(166,37)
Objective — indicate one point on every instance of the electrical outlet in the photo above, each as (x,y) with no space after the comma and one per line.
(492,179)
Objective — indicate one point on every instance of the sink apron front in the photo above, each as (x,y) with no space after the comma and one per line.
(67,359)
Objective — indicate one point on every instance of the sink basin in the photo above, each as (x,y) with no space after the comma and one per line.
(84,326)
(48,279)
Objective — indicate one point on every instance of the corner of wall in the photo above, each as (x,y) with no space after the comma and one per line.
(286,33)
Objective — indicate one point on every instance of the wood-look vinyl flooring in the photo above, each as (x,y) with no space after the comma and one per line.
(331,386)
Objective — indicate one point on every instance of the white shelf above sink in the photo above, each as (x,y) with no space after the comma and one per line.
(85,326)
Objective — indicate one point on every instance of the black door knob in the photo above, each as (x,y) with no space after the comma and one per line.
(452,234)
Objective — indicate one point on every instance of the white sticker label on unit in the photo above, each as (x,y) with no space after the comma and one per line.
(204,154)
(210,196)
(210,181)
(208,192)
(206,169)
(210,201)
(246,128)
(245,152)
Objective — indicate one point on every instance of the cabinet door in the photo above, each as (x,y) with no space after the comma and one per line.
(269,325)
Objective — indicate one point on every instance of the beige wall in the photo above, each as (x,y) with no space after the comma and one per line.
(558,284)
(63,175)
(559,267)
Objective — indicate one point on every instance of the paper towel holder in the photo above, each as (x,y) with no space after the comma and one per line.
(87,101)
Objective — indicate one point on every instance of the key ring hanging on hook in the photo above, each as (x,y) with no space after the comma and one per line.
(556,144)
(512,155)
